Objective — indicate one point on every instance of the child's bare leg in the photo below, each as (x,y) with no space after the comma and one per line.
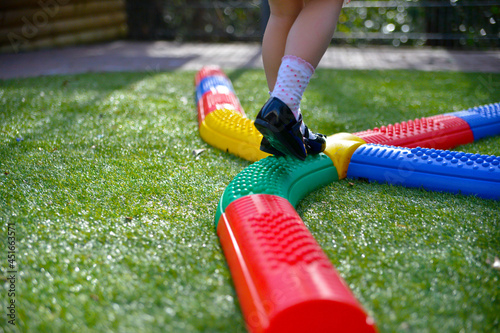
(313,30)
(283,15)
(307,40)
(308,27)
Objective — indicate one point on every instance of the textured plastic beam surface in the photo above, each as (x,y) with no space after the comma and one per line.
(483,120)
(442,132)
(211,101)
(436,170)
(285,282)
(285,176)
(229,131)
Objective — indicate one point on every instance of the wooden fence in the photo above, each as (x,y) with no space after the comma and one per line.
(33,24)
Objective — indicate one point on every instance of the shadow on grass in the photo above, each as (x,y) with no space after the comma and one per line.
(54,103)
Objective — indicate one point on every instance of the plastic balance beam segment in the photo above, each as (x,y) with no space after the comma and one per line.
(282,176)
(284,281)
(214,83)
(215,101)
(229,131)
(436,170)
(483,120)
(441,132)
(207,71)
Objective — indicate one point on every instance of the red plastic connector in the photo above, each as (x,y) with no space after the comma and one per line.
(284,281)
(440,132)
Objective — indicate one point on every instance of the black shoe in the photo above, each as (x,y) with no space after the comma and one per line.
(280,129)
(266,147)
(316,145)
(313,146)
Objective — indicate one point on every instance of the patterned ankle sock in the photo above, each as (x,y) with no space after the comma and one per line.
(293,77)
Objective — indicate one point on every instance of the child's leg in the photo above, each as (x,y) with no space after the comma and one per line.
(313,30)
(307,38)
(306,42)
(283,15)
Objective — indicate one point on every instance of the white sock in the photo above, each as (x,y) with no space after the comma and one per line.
(293,77)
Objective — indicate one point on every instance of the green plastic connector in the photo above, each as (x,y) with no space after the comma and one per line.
(286,177)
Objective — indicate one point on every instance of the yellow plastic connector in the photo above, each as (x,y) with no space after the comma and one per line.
(229,131)
(340,147)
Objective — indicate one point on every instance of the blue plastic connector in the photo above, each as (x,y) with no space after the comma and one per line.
(483,120)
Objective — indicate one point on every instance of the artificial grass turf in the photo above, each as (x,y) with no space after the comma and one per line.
(114,216)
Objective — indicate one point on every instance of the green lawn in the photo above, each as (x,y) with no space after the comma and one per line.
(114,216)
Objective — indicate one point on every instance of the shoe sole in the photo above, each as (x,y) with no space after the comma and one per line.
(277,139)
(266,147)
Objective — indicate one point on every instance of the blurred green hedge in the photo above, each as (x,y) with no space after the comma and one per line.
(450,23)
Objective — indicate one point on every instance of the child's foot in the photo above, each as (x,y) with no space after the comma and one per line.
(280,129)
(315,142)
(266,147)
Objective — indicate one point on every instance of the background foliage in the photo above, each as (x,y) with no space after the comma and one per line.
(450,23)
